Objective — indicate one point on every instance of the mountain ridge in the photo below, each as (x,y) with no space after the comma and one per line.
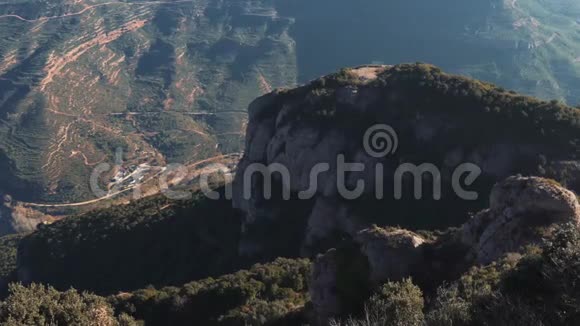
(217,261)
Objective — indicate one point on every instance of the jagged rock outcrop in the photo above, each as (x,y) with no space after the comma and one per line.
(375,256)
(523,211)
(391,252)
(436,118)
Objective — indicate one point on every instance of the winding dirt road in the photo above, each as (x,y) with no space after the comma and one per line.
(91,7)
(110,196)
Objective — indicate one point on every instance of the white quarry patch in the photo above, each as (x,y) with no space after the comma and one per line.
(368,72)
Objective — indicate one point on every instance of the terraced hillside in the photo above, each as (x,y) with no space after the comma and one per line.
(166,81)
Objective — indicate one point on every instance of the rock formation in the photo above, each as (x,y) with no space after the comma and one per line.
(391,252)
(522,212)
(379,255)
(436,118)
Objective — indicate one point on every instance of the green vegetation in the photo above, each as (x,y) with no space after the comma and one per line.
(44,306)
(151,241)
(8,249)
(539,289)
(394,304)
(409,89)
(8,254)
(265,294)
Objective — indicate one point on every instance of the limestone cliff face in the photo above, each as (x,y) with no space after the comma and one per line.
(439,119)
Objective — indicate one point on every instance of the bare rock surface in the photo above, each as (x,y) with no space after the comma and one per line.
(391,252)
(440,119)
(523,211)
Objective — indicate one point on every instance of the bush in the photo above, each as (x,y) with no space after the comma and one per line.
(499,309)
(395,304)
(8,250)
(449,309)
(43,305)
(263,294)
(542,288)
(550,281)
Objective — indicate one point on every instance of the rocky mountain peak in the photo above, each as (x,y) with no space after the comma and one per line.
(433,120)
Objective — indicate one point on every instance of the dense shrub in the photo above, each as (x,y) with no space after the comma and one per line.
(550,281)
(8,250)
(42,305)
(541,288)
(395,304)
(264,294)
(455,304)
(151,241)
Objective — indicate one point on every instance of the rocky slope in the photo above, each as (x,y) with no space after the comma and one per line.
(443,120)
(524,212)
